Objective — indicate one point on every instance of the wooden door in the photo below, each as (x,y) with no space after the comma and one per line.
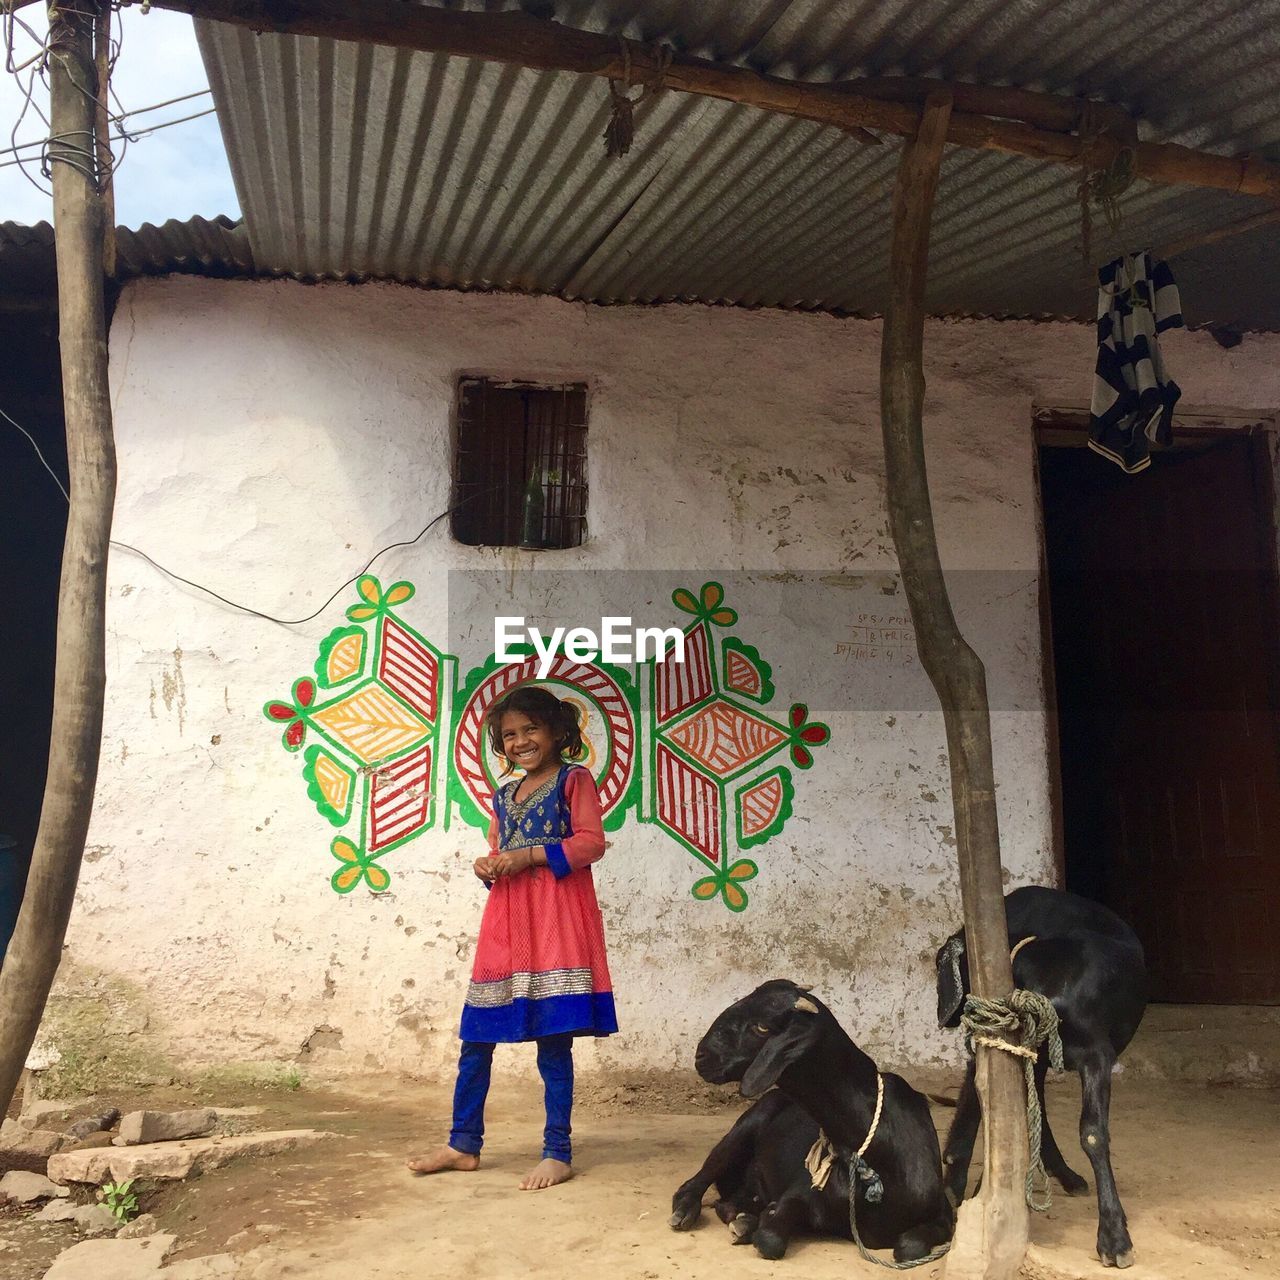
(1164,615)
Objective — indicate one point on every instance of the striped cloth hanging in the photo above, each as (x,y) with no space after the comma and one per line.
(1133,396)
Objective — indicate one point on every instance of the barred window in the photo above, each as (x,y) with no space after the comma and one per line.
(520,476)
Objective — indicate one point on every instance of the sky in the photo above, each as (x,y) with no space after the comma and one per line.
(175,173)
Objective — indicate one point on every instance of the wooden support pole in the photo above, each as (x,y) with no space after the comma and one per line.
(36,946)
(521,40)
(991,1233)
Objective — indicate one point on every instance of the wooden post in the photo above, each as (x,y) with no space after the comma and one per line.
(36,946)
(991,1234)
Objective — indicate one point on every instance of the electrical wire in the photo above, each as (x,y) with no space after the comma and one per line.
(209,591)
(45,461)
(86,160)
(127,135)
(130,136)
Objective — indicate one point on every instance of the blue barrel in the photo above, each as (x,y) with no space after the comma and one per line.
(10,891)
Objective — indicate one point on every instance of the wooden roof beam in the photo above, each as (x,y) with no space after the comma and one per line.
(518,39)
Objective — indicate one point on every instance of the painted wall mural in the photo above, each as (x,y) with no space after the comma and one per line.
(689,747)
(373,713)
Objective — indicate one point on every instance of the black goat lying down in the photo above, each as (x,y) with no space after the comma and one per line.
(781,1034)
(1089,963)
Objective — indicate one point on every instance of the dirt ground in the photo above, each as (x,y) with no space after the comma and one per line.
(1198,1171)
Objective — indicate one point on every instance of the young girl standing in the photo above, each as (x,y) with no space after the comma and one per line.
(540,971)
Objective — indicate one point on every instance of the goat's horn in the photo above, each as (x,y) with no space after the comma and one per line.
(805,1005)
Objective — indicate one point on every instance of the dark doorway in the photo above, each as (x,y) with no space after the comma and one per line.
(34,515)
(1162,593)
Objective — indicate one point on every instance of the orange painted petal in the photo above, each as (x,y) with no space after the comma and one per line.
(734,896)
(370,588)
(744,870)
(712,594)
(378,878)
(344,850)
(360,612)
(399,592)
(346,878)
(724,617)
(705,889)
(683,599)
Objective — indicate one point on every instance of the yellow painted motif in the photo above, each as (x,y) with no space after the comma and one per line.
(334,782)
(372,724)
(345,658)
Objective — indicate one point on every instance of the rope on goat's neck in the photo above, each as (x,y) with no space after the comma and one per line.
(822,1155)
(1013,955)
(821,1160)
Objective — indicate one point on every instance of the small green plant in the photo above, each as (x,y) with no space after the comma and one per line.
(119,1198)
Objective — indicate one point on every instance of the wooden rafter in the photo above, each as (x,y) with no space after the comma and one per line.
(1035,126)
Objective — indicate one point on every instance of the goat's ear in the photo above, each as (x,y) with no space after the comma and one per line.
(781,1050)
(950,987)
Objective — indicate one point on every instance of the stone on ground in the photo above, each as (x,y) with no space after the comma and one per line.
(111,1259)
(82,1128)
(167,1126)
(56,1211)
(26,1188)
(174,1160)
(54,1111)
(101,1138)
(37,1144)
(145,1224)
(96,1220)
(216,1266)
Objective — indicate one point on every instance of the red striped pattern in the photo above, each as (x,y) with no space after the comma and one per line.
(409,668)
(681,684)
(401,796)
(689,803)
(741,674)
(469,746)
(760,805)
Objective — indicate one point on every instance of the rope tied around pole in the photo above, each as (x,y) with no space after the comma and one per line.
(1032,1018)
(620,132)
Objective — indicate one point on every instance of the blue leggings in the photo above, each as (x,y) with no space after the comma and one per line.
(555,1063)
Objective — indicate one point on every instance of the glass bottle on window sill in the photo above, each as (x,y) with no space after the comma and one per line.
(532,532)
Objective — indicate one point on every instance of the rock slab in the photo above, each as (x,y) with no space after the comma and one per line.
(174,1160)
(96,1220)
(214,1266)
(56,1211)
(34,1143)
(145,1224)
(140,1127)
(27,1188)
(111,1259)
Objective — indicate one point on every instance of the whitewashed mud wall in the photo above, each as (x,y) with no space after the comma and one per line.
(272,435)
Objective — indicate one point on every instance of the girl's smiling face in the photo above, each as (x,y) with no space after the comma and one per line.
(527,744)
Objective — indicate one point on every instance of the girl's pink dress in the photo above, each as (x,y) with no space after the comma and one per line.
(540,967)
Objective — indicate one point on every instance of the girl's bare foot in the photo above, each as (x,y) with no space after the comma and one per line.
(442,1159)
(547,1174)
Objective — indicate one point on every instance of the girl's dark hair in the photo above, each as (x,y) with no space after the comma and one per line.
(541,707)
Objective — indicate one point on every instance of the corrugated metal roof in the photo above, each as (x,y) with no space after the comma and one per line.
(358,161)
(219,247)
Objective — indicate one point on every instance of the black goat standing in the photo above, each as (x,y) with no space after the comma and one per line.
(1090,965)
(781,1034)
